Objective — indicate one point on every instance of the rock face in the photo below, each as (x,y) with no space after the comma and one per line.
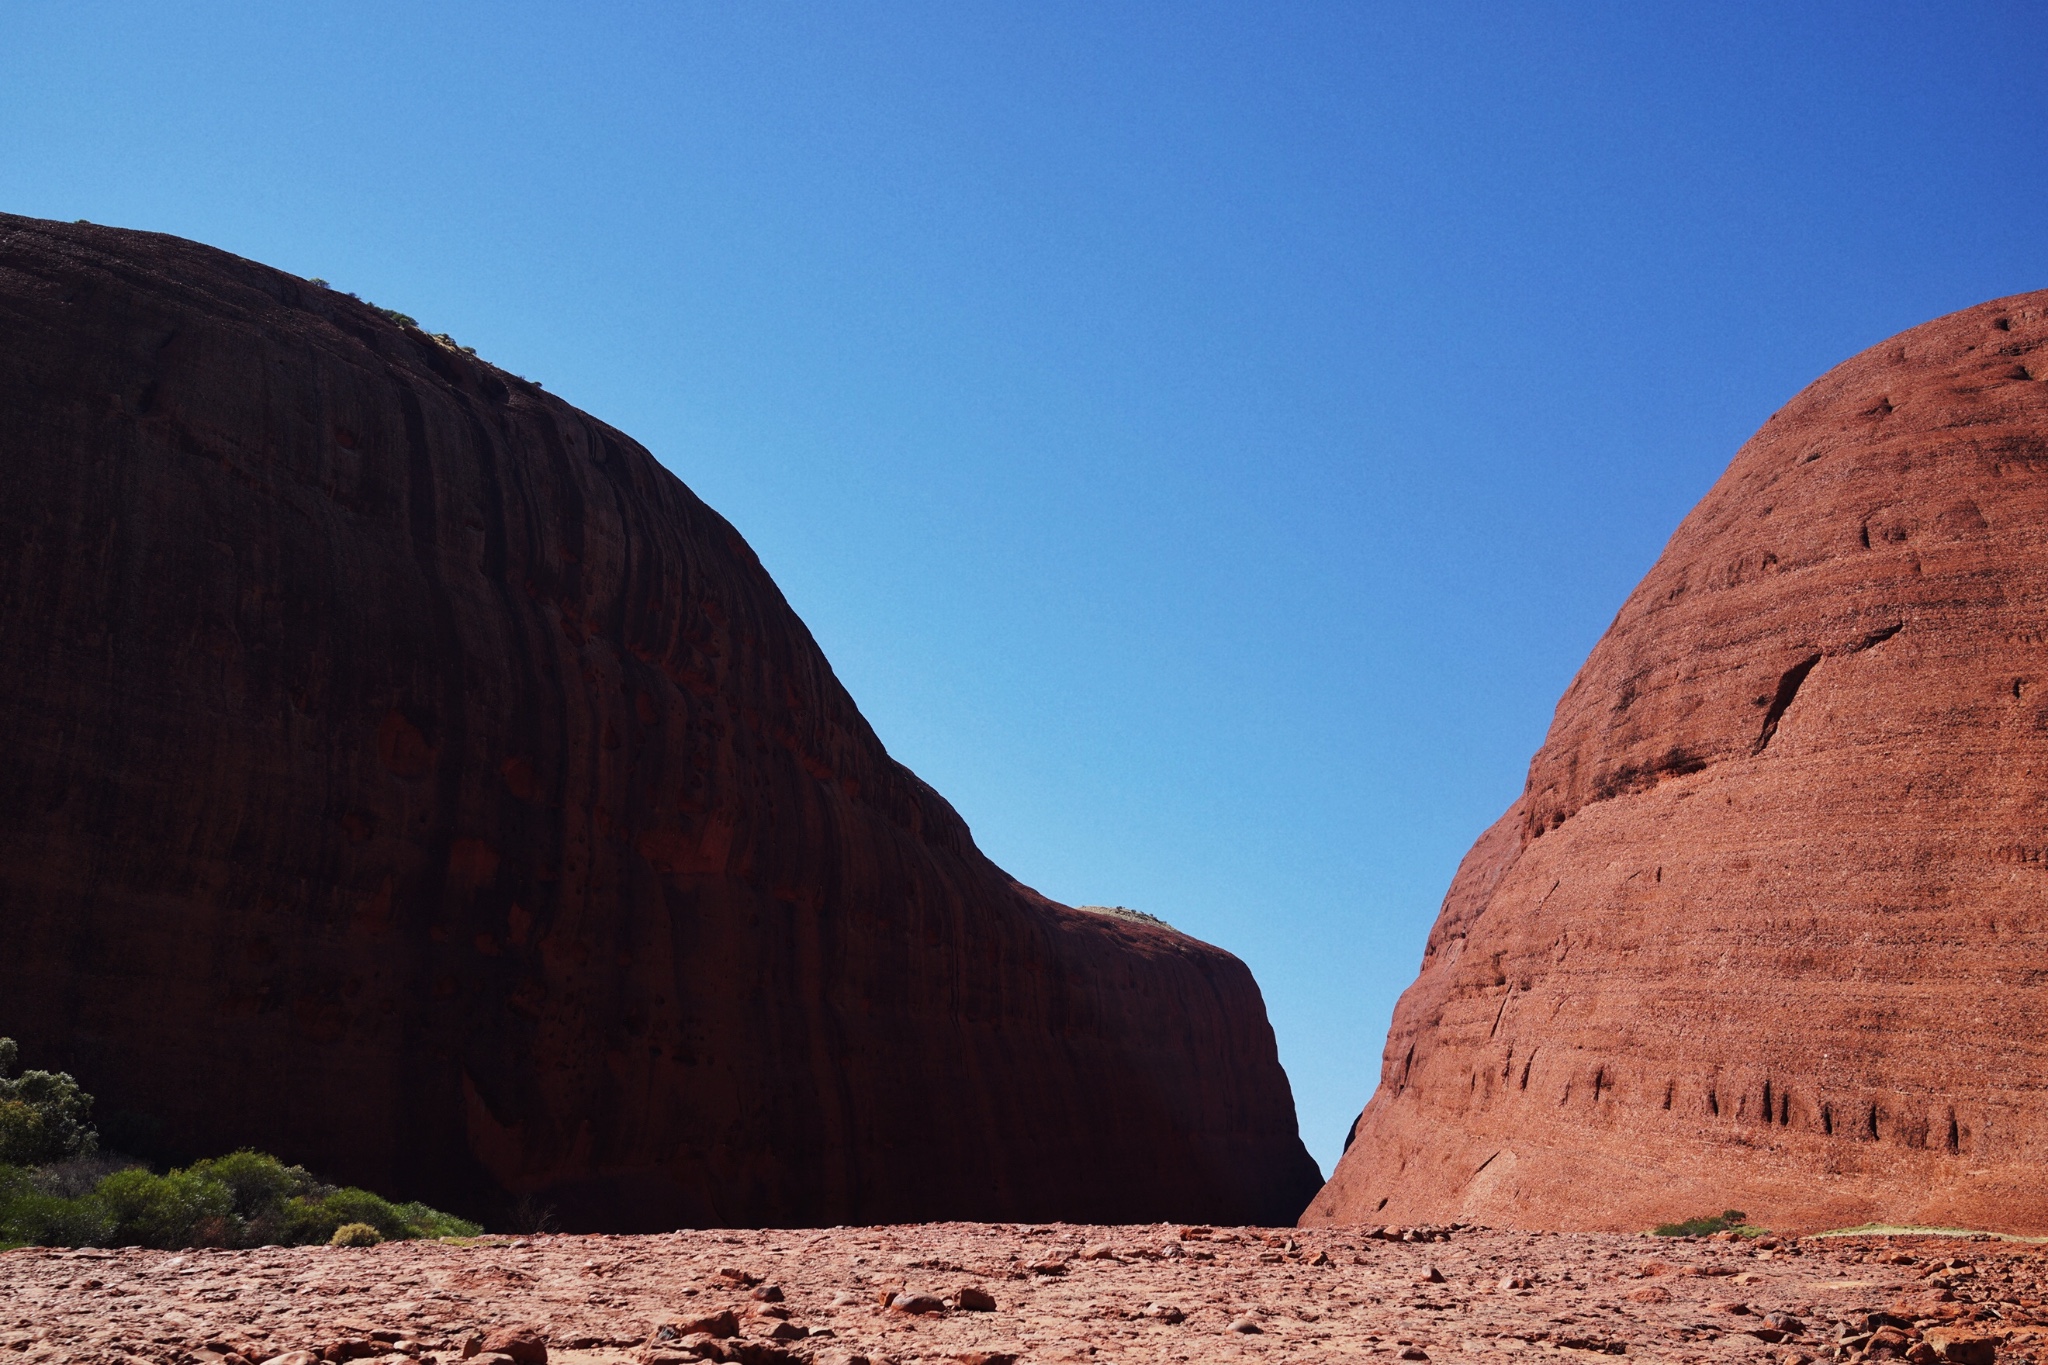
(1768,927)
(408,776)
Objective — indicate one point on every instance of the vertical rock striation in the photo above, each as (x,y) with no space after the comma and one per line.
(408,776)
(1768,927)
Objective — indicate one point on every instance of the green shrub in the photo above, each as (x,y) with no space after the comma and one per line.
(53,1192)
(360,1206)
(31,1217)
(1732,1220)
(242,1200)
(426,1222)
(355,1235)
(180,1209)
(256,1183)
(43,1114)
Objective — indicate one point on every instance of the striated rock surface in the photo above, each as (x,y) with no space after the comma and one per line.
(408,776)
(1768,927)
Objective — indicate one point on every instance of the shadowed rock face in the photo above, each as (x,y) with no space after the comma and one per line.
(1768,927)
(408,776)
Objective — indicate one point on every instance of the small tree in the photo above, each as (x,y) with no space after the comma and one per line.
(43,1115)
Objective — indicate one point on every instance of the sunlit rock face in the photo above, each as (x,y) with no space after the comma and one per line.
(1768,927)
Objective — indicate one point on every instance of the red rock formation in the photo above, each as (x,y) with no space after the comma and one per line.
(408,776)
(1768,927)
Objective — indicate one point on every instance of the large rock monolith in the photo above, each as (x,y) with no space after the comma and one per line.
(1768,927)
(408,776)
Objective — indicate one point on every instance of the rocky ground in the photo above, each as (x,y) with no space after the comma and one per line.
(1047,1293)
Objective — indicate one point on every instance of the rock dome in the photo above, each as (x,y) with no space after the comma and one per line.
(1768,926)
(408,776)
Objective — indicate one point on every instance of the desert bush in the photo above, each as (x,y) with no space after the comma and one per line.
(179,1209)
(79,1176)
(30,1216)
(240,1200)
(56,1191)
(1731,1220)
(43,1114)
(430,1223)
(355,1235)
(256,1183)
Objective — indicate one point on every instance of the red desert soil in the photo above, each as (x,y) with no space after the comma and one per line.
(1768,924)
(408,775)
(1060,1293)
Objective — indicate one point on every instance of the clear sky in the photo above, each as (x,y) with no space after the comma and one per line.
(1205,438)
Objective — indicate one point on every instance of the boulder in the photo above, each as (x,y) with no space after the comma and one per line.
(1961,1346)
(523,1345)
(1763,929)
(410,776)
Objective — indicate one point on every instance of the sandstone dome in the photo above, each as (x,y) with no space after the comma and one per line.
(407,775)
(1768,926)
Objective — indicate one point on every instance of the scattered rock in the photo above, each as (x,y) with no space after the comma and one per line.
(759,1353)
(1246,1326)
(1961,1346)
(721,1325)
(423,1299)
(766,1293)
(917,1303)
(524,1345)
(974,1300)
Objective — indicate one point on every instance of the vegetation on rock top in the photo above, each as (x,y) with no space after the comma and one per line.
(1125,912)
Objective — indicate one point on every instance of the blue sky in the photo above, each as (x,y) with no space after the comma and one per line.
(1206,438)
